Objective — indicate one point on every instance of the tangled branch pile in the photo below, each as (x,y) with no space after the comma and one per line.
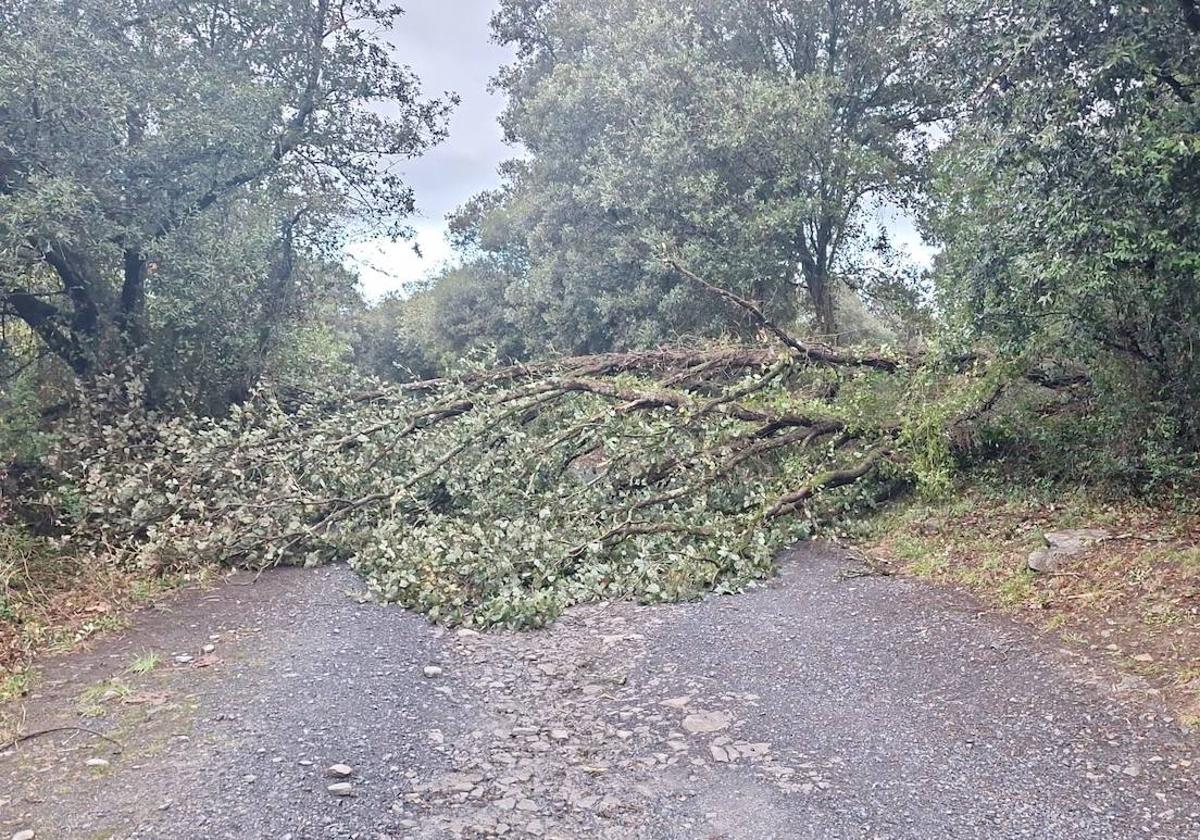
(500,496)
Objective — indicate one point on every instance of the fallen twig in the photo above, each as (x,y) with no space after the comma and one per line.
(29,736)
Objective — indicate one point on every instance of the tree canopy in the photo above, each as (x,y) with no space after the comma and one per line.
(750,139)
(1067,195)
(127,126)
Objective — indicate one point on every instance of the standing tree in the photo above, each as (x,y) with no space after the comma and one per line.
(125,123)
(751,138)
(1068,198)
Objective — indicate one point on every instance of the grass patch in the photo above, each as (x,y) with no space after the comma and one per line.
(91,700)
(145,662)
(14,684)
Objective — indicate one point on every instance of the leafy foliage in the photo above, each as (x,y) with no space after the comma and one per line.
(461,313)
(126,127)
(751,138)
(502,495)
(1067,198)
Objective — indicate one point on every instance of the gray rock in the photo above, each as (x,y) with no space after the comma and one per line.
(341,789)
(1062,546)
(754,750)
(701,722)
(432,671)
(26,834)
(98,763)
(340,771)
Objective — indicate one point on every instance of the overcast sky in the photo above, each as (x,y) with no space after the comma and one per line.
(448,44)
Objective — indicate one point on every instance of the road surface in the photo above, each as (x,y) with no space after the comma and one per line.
(817,706)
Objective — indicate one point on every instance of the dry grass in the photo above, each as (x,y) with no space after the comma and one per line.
(1133,600)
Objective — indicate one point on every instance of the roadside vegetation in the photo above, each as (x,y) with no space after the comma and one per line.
(1130,602)
(676,337)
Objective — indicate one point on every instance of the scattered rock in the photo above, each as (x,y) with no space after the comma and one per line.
(339,771)
(754,750)
(432,671)
(1062,546)
(341,789)
(700,722)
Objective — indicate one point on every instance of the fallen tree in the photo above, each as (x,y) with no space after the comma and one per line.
(502,495)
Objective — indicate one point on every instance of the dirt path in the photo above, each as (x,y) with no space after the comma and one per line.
(811,708)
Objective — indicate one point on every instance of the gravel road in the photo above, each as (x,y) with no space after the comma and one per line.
(817,706)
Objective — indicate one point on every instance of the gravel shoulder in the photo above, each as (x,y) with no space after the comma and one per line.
(817,706)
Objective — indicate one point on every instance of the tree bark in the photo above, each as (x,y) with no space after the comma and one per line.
(79,281)
(131,317)
(47,323)
(820,297)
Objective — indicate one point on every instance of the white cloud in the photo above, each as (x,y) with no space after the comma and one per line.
(384,266)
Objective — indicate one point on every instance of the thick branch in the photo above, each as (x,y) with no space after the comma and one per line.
(79,287)
(688,363)
(47,322)
(812,352)
(828,481)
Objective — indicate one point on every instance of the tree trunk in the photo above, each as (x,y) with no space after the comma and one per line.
(131,317)
(820,296)
(47,323)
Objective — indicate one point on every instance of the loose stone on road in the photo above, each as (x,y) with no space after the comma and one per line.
(812,707)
